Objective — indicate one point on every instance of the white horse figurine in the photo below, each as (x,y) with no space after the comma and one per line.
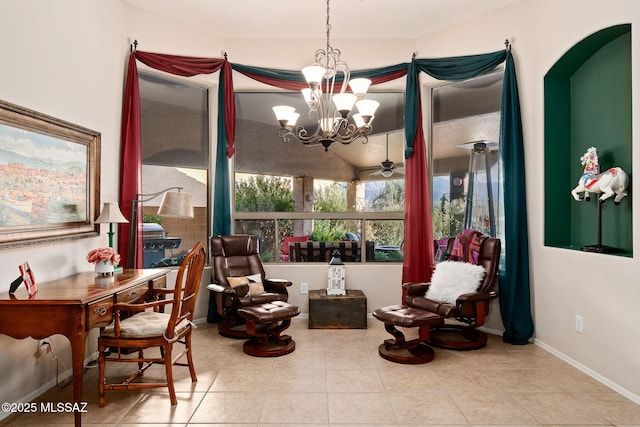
(613,181)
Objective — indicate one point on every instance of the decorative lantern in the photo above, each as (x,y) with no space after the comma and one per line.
(336,275)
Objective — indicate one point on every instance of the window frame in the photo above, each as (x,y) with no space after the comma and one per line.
(210,92)
(362,217)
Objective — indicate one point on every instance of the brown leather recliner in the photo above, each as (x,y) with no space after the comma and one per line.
(239,256)
(469,310)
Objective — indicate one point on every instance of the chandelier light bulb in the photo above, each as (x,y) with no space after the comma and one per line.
(327,124)
(361,121)
(313,74)
(306,92)
(293,119)
(344,102)
(359,87)
(367,108)
(283,114)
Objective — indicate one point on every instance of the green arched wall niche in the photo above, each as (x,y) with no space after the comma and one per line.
(587,102)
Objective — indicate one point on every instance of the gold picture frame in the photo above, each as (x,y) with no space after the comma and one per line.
(49,178)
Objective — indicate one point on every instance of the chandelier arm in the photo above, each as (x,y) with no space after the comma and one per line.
(299,134)
(347,77)
(351,133)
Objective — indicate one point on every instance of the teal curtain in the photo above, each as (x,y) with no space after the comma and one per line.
(221,187)
(514,292)
(515,304)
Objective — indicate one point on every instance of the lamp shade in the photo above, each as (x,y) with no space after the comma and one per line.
(344,101)
(176,205)
(359,86)
(307,94)
(111,214)
(367,107)
(283,112)
(313,74)
(293,119)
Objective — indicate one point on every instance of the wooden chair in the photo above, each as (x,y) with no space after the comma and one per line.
(150,327)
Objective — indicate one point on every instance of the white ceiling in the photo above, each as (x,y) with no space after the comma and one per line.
(306,19)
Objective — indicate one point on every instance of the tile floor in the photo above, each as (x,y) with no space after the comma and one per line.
(336,378)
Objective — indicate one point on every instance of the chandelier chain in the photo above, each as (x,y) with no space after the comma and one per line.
(328,26)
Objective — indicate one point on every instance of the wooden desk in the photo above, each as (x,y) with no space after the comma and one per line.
(72,306)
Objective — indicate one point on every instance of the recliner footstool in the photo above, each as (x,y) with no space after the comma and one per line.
(398,349)
(265,324)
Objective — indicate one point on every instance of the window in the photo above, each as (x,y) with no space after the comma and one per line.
(175,153)
(465,171)
(301,197)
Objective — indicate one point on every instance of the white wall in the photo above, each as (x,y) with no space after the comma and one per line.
(64,59)
(603,289)
(67,59)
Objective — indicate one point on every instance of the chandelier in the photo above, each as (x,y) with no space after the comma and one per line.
(333,110)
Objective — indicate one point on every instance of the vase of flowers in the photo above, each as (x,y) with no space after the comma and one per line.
(105,260)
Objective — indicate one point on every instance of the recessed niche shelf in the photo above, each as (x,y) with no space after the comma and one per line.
(587,103)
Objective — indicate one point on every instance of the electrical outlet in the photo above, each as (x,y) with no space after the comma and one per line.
(43,347)
(304,288)
(579,323)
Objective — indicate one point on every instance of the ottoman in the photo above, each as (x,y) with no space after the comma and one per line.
(265,324)
(398,349)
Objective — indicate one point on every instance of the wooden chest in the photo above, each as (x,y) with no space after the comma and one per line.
(337,311)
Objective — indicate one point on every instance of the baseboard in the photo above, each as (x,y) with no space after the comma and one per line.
(615,387)
(491,331)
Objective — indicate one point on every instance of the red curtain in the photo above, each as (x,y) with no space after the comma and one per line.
(131,179)
(418,262)
(131,182)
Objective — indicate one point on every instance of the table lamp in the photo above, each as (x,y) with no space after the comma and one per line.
(111,214)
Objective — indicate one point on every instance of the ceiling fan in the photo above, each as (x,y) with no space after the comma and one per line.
(388,168)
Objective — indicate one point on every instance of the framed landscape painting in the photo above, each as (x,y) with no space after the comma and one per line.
(49,178)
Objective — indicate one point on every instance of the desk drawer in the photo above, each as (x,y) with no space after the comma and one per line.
(159,283)
(100,313)
(132,294)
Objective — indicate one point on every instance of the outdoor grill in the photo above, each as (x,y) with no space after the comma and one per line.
(155,242)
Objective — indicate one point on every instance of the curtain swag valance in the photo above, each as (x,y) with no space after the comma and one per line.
(418,261)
